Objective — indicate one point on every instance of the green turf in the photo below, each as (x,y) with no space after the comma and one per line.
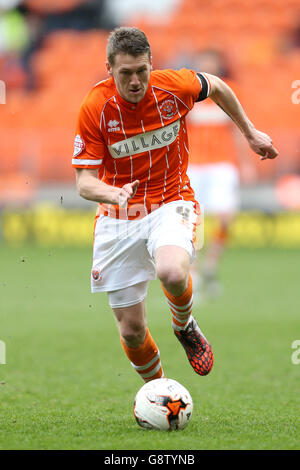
(68,385)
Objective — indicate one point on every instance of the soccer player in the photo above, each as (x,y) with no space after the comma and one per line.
(217,159)
(131,156)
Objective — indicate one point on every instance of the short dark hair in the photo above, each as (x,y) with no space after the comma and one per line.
(126,40)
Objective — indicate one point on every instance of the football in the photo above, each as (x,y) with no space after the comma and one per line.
(163,404)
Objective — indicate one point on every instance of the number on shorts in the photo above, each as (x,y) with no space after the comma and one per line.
(184,212)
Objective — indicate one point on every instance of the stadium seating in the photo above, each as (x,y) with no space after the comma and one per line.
(53,6)
(70,62)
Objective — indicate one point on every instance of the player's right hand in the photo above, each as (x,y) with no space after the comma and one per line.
(127,192)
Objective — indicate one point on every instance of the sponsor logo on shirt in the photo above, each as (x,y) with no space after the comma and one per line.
(146,141)
(79,145)
(113,126)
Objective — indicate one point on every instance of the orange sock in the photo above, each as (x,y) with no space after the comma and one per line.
(145,359)
(181,307)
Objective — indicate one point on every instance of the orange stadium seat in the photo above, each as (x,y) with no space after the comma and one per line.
(53,6)
(10,150)
(70,63)
(65,53)
(55,142)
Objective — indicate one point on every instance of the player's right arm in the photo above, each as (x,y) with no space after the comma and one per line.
(90,187)
(89,149)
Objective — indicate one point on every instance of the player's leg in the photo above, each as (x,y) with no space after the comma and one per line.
(136,340)
(172,268)
(122,267)
(131,322)
(171,245)
(173,264)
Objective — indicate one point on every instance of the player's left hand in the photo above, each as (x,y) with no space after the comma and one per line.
(262,144)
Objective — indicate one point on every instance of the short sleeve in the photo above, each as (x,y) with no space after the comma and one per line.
(184,83)
(190,86)
(89,146)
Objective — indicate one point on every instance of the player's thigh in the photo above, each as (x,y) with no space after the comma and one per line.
(172,264)
(172,236)
(120,255)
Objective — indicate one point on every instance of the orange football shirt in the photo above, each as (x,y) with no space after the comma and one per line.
(147,141)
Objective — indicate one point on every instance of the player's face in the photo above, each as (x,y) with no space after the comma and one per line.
(131,75)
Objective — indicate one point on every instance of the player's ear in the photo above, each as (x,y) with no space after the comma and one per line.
(108,68)
(151,63)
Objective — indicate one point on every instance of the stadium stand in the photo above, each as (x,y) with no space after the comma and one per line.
(37,125)
(53,6)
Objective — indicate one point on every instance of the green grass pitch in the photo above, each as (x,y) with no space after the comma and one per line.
(67,384)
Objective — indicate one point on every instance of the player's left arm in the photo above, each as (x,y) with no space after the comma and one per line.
(224,97)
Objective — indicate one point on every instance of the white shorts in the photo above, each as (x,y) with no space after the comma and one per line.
(216,187)
(124,250)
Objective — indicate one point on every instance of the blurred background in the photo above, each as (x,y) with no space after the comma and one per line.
(53,52)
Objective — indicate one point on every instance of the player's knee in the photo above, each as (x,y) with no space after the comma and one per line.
(172,276)
(133,335)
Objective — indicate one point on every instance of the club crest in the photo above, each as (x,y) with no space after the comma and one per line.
(168,109)
(96,274)
(79,145)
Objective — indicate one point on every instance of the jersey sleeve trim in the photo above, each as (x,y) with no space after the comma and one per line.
(80,162)
(205,87)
